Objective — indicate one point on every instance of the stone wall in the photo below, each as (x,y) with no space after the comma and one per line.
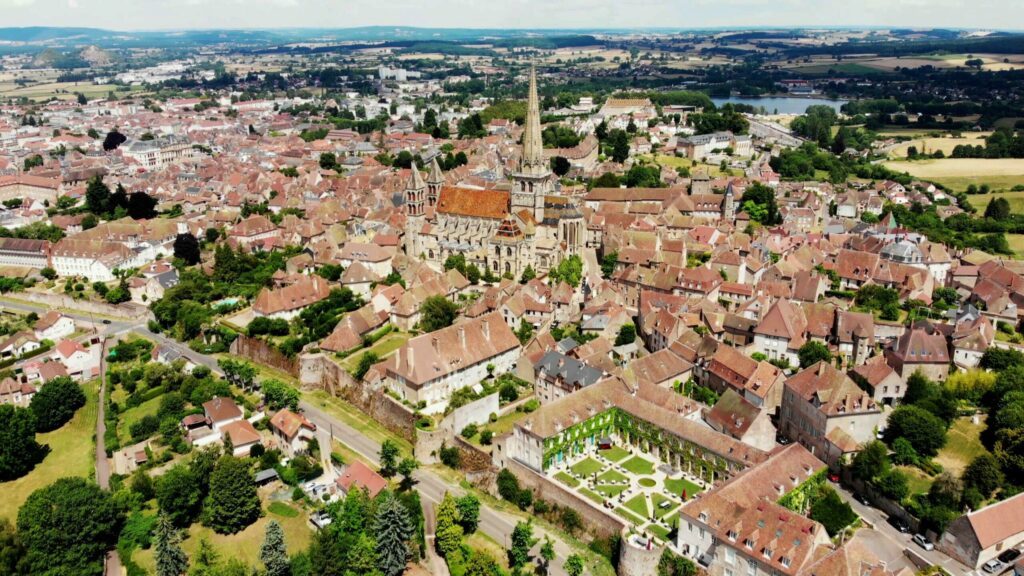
(261,352)
(316,371)
(600,522)
(638,556)
(127,311)
(476,412)
(471,458)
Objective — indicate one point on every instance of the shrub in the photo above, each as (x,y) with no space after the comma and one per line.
(486,437)
(833,513)
(450,456)
(469,431)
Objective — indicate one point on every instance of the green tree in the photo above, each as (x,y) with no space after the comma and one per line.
(68,527)
(366,361)
(833,513)
(393,528)
(232,503)
(762,197)
(170,558)
(448,532)
(608,262)
(620,146)
(522,542)
(574,565)
(406,468)
(12,550)
(983,474)
(19,451)
(813,352)
(437,312)
(274,552)
(279,395)
(627,335)
(528,274)
(179,495)
(547,554)
(925,431)
(482,564)
(870,462)
(186,247)
(328,161)
(903,453)
(56,402)
(97,196)
(893,484)
(389,453)
(998,209)
(560,166)
(469,512)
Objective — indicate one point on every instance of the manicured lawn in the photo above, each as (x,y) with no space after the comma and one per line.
(615,453)
(592,495)
(282,509)
(71,454)
(962,445)
(638,465)
(567,480)
(502,425)
(133,415)
(612,477)
(659,531)
(382,348)
(610,490)
(638,505)
(677,485)
(657,499)
(587,467)
(648,482)
(629,516)
(244,546)
(352,416)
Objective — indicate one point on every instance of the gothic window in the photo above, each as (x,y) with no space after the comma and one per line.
(431,253)
(508,268)
(497,250)
(508,251)
(494,265)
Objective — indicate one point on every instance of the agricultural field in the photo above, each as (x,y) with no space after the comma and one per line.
(929,145)
(60,90)
(71,454)
(1016,242)
(1016,200)
(958,173)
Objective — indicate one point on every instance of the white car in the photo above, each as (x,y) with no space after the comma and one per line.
(993,566)
(923,542)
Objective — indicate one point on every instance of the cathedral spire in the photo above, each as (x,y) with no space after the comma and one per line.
(533,145)
(415,179)
(435,176)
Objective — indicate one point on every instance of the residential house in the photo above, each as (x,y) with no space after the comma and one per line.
(290,301)
(557,375)
(359,476)
(292,432)
(981,535)
(921,348)
(17,393)
(781,332)
(53,326)
(732,415)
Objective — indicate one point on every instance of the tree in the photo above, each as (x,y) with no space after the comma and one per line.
(547,553)
(998,209)
(893,484)
(608,262)
(833,513)
(56,402)
(389,453)
(179,495)
(279,395)
(238,373)
(366,361)
(141,205)
(97,196)
(528,274)
(763,198)
(437,312)
(620,146)
(627,335)
(19,451)
(870,462)
(12,550)
(170,558)
(186,247)
(393,528)
(233,503)
(903,453)
(469,513)
(48,273)
(522,542)
(574,565)
(68,527)
(525,331)
(328,161)
(113,140)
(983,474)
(560,166)
(813,352)
(925,431)
(482,564)
(448,532)
(273,552)
(406,468)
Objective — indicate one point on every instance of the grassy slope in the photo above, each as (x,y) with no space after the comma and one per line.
(71,454)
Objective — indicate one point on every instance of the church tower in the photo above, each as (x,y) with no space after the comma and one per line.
(532,181)
(729,205)
(435,180)
(415,190)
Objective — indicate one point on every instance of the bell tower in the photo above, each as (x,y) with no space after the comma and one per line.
(435,180)
(532,180)
(415,190)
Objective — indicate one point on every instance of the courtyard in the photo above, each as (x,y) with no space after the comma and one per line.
(633,485)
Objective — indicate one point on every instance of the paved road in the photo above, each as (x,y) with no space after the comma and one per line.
(889,543)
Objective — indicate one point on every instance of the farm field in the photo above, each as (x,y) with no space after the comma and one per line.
(71,454)
(927,145)
(1016,200)
(1016,242)
(62,90)
(958,173)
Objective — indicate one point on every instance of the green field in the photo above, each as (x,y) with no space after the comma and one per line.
(677,485)
(587,467)
(638,465)
(638,505)
(133,415)
(629,516)
(71,454)
(963,444)
(592,495)
(567,480)
(610,491)
(659,531)
(917,480)
(382,348)
(615,453)
(1016,242)
(245,545)
(980,201)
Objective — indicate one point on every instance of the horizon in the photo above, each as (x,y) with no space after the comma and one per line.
(628,15)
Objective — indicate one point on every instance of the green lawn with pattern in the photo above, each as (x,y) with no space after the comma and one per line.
(587,467)
(638,465)
(592,495)
(567,480)
(615,453)
(638,505)
(659,531)
(609,490)
(629,516)
(612,477)
(677,485)
(659,511)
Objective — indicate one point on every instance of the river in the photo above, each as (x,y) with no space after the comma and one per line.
(783,105)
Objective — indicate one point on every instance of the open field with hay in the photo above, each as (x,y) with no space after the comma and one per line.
(929,145)
(959,173)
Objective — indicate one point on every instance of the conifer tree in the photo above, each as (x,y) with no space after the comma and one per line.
(170,558)
(393,529)
(273,552)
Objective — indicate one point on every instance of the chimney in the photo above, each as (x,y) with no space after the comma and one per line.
(410,360)
(486,324)
(437,345)
(462,335)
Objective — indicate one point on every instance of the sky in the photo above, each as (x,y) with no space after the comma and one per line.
(195,14)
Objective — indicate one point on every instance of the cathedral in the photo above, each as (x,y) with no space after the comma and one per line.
(522,223)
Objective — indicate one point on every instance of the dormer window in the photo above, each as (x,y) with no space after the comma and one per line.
(784,561)
(749,544)
(766,552)
(732,535)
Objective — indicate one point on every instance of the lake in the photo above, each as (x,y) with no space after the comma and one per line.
(782,105)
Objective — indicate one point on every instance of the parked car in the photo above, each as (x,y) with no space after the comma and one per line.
(993,566)
(834,477)
(1009,556)
(899,525)
(863,500)
(923,542)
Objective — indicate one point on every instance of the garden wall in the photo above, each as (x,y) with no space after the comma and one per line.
(316,371)
(602,524)
(128,310)
(261,352)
